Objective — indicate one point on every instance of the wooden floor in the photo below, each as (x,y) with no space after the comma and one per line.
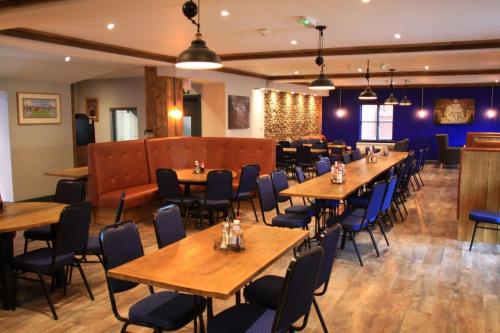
(426,281)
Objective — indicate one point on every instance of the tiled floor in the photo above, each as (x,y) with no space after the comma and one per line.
(426,281)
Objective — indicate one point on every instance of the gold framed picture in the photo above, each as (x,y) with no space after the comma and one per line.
(92,108)
(454,111)
(38,109)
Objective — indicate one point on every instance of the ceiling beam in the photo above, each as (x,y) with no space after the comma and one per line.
(417,86)
(493,71)
(372,49)
(9,4)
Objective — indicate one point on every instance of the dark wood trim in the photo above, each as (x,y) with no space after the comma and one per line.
(371,49)
(459,72)
(416,86)
(243,72)
(9,4)
(47,37)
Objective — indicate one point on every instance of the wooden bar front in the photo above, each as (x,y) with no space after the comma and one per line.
(479,188)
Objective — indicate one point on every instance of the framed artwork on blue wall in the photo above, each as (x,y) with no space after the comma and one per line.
(454,111)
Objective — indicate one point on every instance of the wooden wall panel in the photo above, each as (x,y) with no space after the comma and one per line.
(479,188)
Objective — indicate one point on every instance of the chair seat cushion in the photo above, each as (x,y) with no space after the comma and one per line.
(217,203)
(41,233)
(187,201)
(134,196)
(243,195)
(167,310)
(265,291)
(351,222)
(247,318)
(301,209)
(40,260)
(291,221)
(481,215)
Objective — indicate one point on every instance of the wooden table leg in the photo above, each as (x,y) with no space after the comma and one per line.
(6,273)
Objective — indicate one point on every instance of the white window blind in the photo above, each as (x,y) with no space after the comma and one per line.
(376,122)
(124,124)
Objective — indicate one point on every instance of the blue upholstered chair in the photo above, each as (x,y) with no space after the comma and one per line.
(267,200)
(267,289)
(280,183)
(168,225)
(358,219)
(296,299)
(356,155)
(160,311)
(346,158)
(322,168)
(70,236)
(483,216)
(169,190)
(304,158)
(68,191)
(247,186)
(218,193)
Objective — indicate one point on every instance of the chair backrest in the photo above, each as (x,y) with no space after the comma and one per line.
(112,240)
(329,241)
(338,142)
(321,168)
(373,209)
(168,184)
(248,178)
(168,225)
(337,150)
(424,159)
(120,207)
(391,172)
(356,154)
(389,193)
(327,161)
(402,145)
(265,190)
(299,174)
(442,141)
(284,143)
(69,191)
(72,232)
(296,144)
(280,183)
(318,145)
(298,289)
(280,155)
(346,158)
(420,159)
(219,185)
(303,154)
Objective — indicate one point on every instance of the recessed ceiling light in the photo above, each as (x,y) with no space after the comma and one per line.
(67,59)
(293,42)
(110,26)
(360,70)
(296,72)
(426,67)
(496,81)
(397,36)
(224,13)
(365,1)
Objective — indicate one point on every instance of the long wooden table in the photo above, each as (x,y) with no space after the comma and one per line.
(358,173)
(293,150)
(75,173)
(192,265)
(16,217)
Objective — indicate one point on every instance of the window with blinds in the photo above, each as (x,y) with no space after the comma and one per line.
(124,124)
(376,122)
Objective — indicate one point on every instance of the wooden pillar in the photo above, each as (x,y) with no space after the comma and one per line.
(161,116)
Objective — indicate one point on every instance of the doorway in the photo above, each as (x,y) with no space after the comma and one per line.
(192,115)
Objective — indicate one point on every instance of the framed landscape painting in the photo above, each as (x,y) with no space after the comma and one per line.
(454,111)
(38,109)
(239,112)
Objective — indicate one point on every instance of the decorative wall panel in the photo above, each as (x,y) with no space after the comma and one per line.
(291,116)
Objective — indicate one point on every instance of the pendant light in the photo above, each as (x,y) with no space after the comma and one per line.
(405,101)
(391,100)
(368,94)
(491,112)
(322,82)
(422,113)
(198,55)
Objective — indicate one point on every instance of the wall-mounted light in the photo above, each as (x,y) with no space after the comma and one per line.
(491,113)
(422,113)
(175,113)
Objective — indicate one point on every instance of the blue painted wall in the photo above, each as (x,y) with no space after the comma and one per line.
(406,122)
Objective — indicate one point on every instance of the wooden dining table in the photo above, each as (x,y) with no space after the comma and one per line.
(192,265)
(293,150)
(188,176)
(358,173)
(73,173)
(15,217)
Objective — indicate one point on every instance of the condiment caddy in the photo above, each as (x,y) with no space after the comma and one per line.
(232,236)
(199,167)
(370,156)
(337,173)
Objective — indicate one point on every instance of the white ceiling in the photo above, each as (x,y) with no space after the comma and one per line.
(159,26)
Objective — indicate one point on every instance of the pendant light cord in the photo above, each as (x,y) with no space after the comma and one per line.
(422,99)
(199,18)
(492,96)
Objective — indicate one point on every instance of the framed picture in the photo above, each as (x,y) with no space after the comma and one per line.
(38,109)
(92,108)
(454,111)
(239,112)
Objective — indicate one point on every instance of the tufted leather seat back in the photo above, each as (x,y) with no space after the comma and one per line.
(114,166)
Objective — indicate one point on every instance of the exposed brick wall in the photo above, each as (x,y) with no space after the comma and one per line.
(291,116)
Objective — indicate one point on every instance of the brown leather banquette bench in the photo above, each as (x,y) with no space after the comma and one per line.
(131,166)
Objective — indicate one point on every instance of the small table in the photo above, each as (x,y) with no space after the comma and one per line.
(193,266)
(188,176)
(74,173)
(15,217)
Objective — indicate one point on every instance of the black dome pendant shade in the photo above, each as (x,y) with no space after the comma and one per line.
(391,100)
(322,82)
(368,94)
(198,55)
(405,101)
